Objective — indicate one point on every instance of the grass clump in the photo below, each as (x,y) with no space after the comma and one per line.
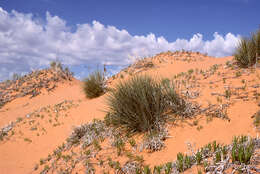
(141,103)
(242,150)
(183,162)
(94,85)
(248,48)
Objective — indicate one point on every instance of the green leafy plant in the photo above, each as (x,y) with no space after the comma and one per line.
(132,142)
(199,171)
(187,161)
(168,168)
(215,146)
(205,164)
(147,170)
(166,81)
(119,144)
(157,169)
(180,162)
(94,85)
(242,150)
(190,71)
(217,156)
(198,156)
(224,151)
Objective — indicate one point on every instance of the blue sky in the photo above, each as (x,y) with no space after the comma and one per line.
(87,33)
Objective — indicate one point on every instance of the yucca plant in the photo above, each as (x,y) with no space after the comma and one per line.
(94,84)
(248,48)
(140,104)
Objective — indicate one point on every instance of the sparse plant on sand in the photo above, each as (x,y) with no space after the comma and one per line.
(27,140)
(198,157)
(153,141)
(88,133)
(190,71)
(183,162)
(228,63)
(242,150)
(245,54)
(119,144)
(94,85)
(56,65)
(141,103)
(16,77)
(228,93)
(257,119)
(132,142)
(238,74)
(53,64)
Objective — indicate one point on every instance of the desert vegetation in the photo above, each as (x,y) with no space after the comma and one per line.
(145,118)
(31,84)
(240,155)
(94,85)
(247,50)
(142,104)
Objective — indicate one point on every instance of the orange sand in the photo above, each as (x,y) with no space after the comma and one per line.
(20,156)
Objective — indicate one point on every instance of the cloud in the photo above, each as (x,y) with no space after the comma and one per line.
(27,43)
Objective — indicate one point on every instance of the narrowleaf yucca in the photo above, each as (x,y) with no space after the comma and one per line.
(141,103)
(245,54)
(94,85)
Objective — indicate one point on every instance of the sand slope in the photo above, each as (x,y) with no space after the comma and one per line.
(44,122)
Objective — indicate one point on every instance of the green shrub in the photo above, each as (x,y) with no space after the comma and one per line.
(198,157)
(141,103)
(242,150)
(245,54)
(94,85)
(183,162)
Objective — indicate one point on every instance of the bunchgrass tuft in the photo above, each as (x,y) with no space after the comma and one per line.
(94,85)
(141,103)
(242,150)
(245,54)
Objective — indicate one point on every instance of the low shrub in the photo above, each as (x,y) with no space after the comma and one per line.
(141,103)
(94,85)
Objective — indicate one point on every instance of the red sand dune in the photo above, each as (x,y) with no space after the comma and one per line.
(36,136)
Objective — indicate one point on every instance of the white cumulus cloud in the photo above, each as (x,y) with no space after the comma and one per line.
(27,43)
